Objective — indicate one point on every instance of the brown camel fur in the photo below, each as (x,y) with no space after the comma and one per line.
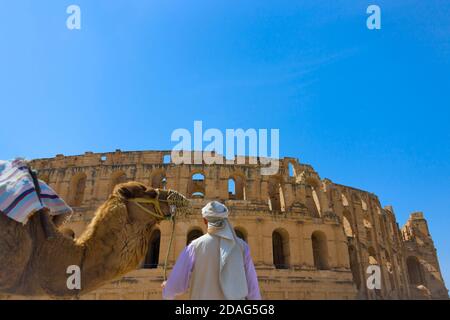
(114,243)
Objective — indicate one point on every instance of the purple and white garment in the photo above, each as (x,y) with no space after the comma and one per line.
(179,279)
(18,195)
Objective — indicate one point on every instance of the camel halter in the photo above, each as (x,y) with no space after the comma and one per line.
(175,201)
(177,205)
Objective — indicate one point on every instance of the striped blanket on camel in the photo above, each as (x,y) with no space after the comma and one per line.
(18,196)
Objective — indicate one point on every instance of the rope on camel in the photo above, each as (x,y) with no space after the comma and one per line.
(169,248)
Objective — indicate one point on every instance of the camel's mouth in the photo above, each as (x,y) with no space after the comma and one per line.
(178,204)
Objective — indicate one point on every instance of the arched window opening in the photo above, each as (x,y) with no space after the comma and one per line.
(347,223)
(76,191)
(231,189)
(363,205)
(198,195)
(320,250)
(241,233)
(166,159)
(236,188)
(415,272)
(372,256)
(198,177)
(354,266)
(280,248)
(316,201)
(291,169)
(276,197)
(344,200)
(152,258)
(196,187)
(193,234)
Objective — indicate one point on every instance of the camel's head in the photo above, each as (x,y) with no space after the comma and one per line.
(156,203)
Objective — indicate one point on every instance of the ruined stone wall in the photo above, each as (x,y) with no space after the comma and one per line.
(325,234)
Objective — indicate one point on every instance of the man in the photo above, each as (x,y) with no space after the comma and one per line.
(217,265)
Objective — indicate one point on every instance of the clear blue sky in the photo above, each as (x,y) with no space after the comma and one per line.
(369,109)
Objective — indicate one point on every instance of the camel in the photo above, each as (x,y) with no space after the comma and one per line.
(114,243)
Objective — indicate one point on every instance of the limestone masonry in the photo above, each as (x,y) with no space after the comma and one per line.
(310,238)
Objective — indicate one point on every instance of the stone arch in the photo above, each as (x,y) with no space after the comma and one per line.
(372,256)
(193,234)
(76,189)
(241,233)
(291,169)
(415,271)
(347,223)
(152,257)
(276,196)
(344,200)
(197,195)
(231,189)
(196,186)
(354,265)
(320,250)
(159,180)
(117,178)
(363,204)
(280,249)
(314,183)
(316,201)
(236,187)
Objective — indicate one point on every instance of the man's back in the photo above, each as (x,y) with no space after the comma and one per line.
(215,266)
(205,283)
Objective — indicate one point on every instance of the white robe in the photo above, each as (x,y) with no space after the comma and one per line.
(211,281)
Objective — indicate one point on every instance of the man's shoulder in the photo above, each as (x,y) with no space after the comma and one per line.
(204,238)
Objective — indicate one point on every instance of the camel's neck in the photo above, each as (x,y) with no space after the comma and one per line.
(114,245)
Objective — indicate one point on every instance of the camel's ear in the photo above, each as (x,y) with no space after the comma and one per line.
(130,190)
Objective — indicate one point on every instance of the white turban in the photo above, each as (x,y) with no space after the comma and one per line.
(232,273)
(215,212)
(214,209)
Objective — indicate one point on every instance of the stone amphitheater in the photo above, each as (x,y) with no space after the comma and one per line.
(310,238)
